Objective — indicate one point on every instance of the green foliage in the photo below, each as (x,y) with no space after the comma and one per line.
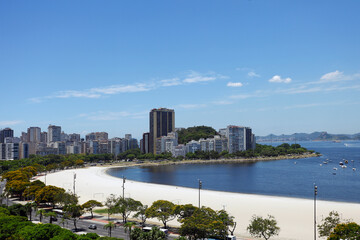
(110,226)
(328,224)
(74,212)
(90,205)
(154,234)
(141,214)
(40,231)
(48,194)
(345,231)
(204,223)
(195,133)
(263,227)
(125,206)
(10,225)
(88,236)
(18,210)
(163,210)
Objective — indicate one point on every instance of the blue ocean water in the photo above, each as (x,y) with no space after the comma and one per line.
(291,178)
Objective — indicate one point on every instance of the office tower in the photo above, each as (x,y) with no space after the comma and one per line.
(145,143)
(235,136)
(128,136)
(74,137)
(43,137)
(54,133)
(162,121)
(239,138)
(33,134)
(4,133)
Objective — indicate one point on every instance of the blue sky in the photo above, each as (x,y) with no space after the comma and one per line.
(277,66)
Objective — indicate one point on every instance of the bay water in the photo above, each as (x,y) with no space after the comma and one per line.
(289,177)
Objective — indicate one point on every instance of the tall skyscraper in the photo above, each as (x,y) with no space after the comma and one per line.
(239,138)
(54,133)
(34,134)
(162,121)
(4,133)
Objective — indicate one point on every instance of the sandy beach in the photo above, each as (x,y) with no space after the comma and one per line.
(295,216)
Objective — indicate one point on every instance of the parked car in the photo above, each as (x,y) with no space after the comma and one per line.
(92,226)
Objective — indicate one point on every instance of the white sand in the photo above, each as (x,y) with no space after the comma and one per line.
(295,216)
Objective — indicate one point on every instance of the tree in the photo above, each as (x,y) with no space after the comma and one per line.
(110,204)
(328,224)
(162,210)
(125,206)
(48,194)
(128,227)
(32,189)
(203,223)
(74,212)
(110,226)
(90,205)
(51,215)
(345,231)
(263,227)
(66,198)
(16,187)
(40,212)
(184,211)
(141,214)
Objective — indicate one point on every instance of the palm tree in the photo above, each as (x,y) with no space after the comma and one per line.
(128,226)
(40,212)
(110,226)
(52,215)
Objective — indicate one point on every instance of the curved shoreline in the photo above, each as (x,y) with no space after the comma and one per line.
(291,213)
(150,163)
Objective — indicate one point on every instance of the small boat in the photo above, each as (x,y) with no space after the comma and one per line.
(295,162)
(354,169)
(335,168)
(341,163)
(346,161)
(343,166)
(320,164)
(325,162)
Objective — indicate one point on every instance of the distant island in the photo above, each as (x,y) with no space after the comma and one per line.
(315,136)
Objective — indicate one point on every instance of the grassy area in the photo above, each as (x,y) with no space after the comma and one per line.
(101,211)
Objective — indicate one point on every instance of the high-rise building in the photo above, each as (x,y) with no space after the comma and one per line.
(54,133)
(145,143)
(4,133)
(33,134)
(239,138)
(162,122)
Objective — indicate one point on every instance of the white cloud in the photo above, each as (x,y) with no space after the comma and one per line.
(10,123)
(109,116)
(170,82)
(234,84)
(191,106)
(253,74)
(122,89)
(278,79)
(332,76)
(222,102)
(195,77)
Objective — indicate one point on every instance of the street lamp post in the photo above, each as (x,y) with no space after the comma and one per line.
(74,182)
(123,187)
(315,194)
(200,186)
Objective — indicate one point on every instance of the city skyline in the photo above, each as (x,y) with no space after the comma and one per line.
(280,67)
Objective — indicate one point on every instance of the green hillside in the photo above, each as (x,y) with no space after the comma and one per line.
(195,133)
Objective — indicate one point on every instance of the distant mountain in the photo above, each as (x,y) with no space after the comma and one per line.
(315,136)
